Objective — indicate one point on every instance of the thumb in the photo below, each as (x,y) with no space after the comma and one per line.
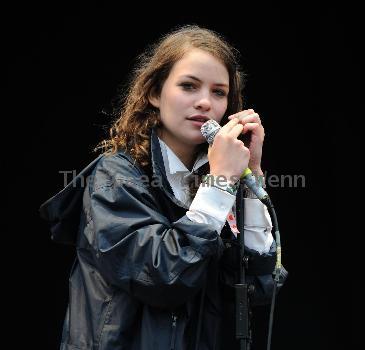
(209,150)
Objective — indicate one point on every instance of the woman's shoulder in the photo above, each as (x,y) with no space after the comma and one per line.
(116,167)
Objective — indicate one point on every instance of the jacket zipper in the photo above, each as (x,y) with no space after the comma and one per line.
(173,333)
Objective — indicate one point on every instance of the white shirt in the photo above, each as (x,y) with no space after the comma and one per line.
(212,205)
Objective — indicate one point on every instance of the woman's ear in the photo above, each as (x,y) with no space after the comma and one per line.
(154,99)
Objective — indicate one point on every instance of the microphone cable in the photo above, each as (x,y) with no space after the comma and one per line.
(278,265)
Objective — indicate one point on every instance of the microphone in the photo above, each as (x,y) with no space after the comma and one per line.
(209,129)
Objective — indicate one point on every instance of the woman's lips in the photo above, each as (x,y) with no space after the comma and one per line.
(196,122)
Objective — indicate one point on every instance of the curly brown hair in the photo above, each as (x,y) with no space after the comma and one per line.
(136,116)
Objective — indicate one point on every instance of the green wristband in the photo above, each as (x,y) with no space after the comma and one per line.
(221,183)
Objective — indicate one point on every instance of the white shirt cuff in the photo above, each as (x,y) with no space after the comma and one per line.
(211,206)
(258,226)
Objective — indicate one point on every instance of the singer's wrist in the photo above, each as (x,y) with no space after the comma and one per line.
(221,182)
(225,178)
(257,171)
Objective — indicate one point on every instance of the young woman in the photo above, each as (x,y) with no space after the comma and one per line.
(156,254)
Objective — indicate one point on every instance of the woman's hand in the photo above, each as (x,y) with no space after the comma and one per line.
(251,122)
(228,156)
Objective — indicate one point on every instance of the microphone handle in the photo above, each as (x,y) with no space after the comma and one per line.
(250,181)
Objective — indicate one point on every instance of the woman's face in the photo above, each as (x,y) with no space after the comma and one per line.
(196,88)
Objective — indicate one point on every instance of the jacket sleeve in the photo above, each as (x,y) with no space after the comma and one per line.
(260,275)
(259,272)
(136,247)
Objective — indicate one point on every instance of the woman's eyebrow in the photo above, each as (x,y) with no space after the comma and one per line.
(198,80)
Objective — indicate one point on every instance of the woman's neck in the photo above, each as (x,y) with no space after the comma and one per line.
(186,153)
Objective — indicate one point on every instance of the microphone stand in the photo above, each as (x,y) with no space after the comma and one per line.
(243,331)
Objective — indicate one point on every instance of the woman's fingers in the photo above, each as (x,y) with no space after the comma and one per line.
(254,117)
(229,126)
(250,127)
(236,131)
(241,114)
(232,129)
(246,117)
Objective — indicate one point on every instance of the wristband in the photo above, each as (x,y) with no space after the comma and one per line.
(221,183)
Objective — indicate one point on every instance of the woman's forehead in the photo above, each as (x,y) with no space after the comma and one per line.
(201,65)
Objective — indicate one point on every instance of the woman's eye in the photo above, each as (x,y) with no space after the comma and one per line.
(220,92)
(187,86)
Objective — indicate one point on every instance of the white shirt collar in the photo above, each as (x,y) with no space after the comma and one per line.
(174,165)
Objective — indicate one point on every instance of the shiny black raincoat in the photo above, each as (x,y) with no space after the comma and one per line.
(145,276)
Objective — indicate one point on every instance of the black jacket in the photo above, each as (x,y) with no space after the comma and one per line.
(144,273)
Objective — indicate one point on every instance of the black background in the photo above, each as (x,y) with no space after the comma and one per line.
(66,61)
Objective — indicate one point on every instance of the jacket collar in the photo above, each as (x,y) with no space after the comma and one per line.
(158,169)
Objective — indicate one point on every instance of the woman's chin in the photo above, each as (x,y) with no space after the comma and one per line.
(197,139)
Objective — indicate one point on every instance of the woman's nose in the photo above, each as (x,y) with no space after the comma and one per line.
(203,103)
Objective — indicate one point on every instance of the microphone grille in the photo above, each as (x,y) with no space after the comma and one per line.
(209,129)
